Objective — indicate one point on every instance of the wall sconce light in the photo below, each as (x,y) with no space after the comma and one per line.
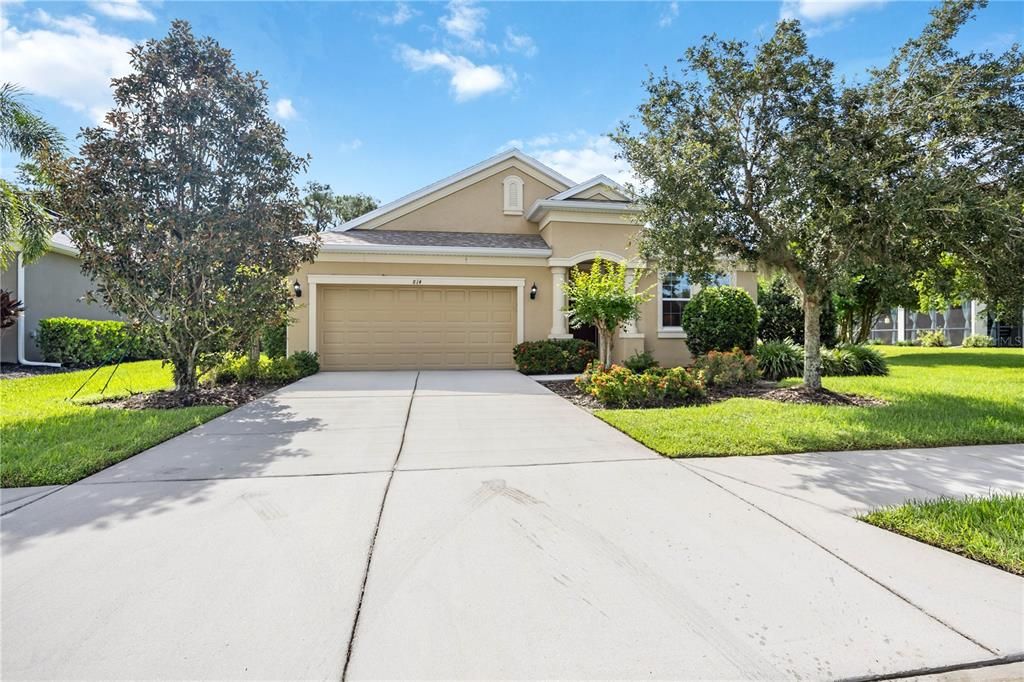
(298,289)
(533,291)
(887,320)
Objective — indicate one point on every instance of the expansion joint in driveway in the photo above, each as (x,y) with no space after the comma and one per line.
(696,470)
(376,531)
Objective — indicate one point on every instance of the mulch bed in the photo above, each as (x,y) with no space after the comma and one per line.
(12,370)
(567,389)
(229,395)
(763,390)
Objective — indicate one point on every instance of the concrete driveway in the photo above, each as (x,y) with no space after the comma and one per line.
(474,525)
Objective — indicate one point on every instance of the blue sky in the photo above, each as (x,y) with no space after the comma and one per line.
(388,97)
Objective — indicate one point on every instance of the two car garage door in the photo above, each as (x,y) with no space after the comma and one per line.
(416,327)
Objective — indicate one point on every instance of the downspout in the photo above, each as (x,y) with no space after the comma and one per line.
(21,322)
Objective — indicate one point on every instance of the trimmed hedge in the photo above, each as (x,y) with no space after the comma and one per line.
(554,356)
(88,343)
(720,318)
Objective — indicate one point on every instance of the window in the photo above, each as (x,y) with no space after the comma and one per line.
(513,189)
(676,291)
(675,294)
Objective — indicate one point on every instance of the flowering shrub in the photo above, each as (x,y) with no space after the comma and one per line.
(619,386)
(554,356)
(728,369)
(978,341)
(933,339)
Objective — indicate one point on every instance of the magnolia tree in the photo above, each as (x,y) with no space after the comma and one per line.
(184,205)
(760,154)
(605,298)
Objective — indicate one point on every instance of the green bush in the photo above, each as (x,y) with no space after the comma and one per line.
(618,386)
(978,341)
(640,362)
(780,359)
(306,363)
(727,369)
(720,319)
(781,312)
(850,360)
(554,356)
(236,368)
(867,361)
(88,343)
(935,339)
(274,340)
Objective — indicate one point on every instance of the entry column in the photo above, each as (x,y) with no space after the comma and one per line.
(559,320)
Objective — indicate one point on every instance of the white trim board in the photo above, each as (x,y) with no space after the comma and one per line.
(414,281)
(595,181)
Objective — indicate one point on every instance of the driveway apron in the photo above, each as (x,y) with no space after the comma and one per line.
(473,525)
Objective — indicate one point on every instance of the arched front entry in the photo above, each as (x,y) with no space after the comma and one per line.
(560,272)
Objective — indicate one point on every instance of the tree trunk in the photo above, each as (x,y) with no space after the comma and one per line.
(604,346)
(185,379)
(812,341)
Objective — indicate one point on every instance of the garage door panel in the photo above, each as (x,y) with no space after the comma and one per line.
(367,327)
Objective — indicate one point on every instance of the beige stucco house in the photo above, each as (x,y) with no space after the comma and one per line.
(51,286)
(455,274)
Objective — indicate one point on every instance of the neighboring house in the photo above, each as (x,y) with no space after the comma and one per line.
(52,286)
(956,323)
(457,273)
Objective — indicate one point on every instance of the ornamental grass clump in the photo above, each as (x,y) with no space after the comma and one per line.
(780,359)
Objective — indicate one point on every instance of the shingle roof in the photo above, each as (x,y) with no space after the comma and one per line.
(441,240)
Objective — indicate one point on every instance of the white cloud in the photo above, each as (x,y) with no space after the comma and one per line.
(127,10)
(465,22)
(468,80)
(284,109)
(350,145)
(669,14)
(402,13)
(577,155)
(65,59)
(519,42)
(819,10)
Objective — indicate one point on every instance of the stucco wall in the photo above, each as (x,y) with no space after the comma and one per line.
(53,286)
(569,239)
(478,207)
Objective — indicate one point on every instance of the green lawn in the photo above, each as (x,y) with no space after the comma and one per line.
(938,396)
(989,529)
(44,439)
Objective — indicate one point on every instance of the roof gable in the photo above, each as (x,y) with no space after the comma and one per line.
(453,183)
(597,188)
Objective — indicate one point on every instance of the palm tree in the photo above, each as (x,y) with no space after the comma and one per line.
(25,224)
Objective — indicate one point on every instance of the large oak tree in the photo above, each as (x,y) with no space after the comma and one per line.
(184,205)
(760,154)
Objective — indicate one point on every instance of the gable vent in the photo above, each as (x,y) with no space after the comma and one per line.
(513,190)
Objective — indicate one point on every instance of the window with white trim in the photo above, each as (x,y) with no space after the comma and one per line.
(513,190)
(675,292)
